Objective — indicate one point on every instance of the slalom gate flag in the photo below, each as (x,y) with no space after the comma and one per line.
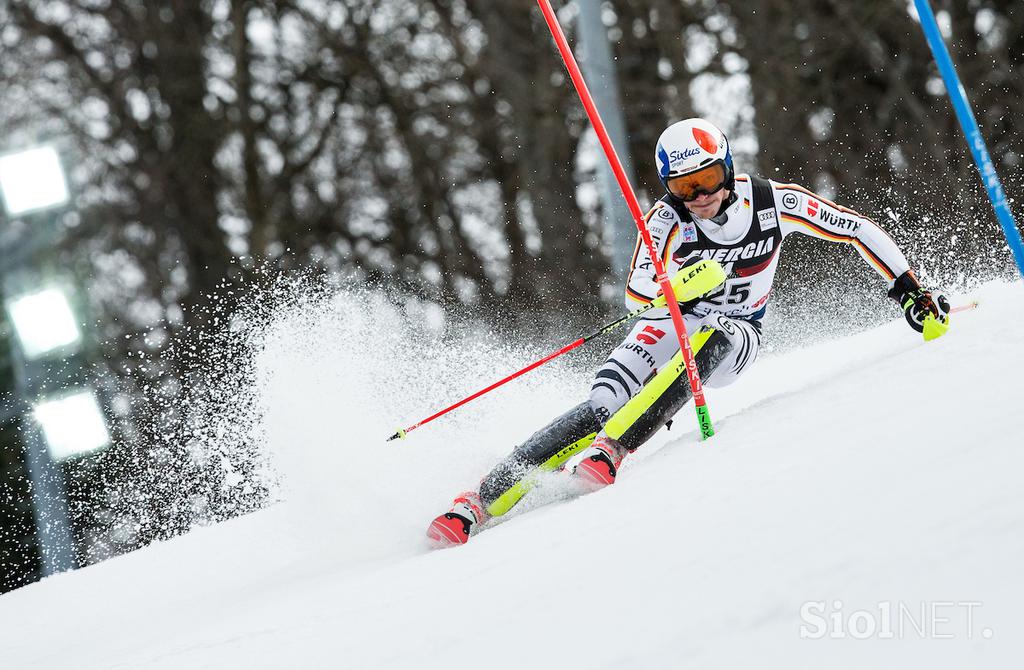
(958,96)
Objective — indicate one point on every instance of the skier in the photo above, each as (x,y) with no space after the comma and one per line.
(707,212)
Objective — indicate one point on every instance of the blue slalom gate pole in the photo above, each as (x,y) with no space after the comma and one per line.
(969,124)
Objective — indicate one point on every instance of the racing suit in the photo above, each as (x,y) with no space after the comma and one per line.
(746,238)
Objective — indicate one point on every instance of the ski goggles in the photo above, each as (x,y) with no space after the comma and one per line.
(707,180)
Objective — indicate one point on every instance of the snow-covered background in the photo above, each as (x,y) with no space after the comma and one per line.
(867,475)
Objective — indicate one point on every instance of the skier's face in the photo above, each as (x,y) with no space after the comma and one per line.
(706,206)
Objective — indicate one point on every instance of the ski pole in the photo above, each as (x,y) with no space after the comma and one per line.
(700,404)
(964,308)
(401,433)
(694,281)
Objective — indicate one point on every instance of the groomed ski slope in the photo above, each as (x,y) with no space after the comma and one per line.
(871,469)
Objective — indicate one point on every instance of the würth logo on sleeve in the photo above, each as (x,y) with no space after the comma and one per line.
(812,207)
(838,221)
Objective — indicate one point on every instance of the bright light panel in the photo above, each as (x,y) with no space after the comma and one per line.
(73,425)
(44,322)
(32,180)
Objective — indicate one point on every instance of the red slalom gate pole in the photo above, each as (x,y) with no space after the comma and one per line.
(700,404)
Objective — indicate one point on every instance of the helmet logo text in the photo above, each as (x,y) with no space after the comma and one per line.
(677,155)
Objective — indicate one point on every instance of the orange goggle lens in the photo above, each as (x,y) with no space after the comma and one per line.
(707,180)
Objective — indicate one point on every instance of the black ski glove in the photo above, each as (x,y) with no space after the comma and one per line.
(918,302)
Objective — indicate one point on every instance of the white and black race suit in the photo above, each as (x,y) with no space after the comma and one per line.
(747,242)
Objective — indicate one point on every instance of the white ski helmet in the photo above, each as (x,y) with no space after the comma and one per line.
(692,145)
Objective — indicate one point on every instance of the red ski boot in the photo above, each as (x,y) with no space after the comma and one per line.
(600,463)
(455,526)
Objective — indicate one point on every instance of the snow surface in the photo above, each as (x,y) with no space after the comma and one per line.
(871,469)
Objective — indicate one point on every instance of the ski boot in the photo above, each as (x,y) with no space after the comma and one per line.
(600,463)
(455,526)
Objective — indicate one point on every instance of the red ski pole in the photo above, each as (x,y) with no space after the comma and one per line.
(400,433)
(703,417)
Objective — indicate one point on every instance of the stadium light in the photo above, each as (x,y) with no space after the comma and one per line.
(73,425)
(32,180)
(44,322)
